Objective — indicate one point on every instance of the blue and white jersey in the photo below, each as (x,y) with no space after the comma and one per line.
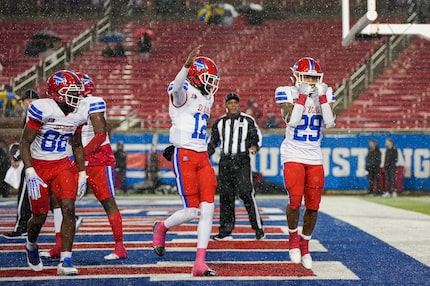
(189,121)
(302,143)
(89,105)
(54,129)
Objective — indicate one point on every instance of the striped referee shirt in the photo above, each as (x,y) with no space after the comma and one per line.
(234,135)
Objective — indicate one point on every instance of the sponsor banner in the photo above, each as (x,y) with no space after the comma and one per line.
(344,158)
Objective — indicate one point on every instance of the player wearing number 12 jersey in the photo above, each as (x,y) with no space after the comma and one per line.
(306,107)
(52,122)
(190,101)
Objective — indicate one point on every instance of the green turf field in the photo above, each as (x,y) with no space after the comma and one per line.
(418,204)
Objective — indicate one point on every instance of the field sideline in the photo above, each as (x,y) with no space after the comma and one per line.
(419,204)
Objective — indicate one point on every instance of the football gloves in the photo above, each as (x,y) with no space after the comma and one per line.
(33,183)
(168,152)
(82,184)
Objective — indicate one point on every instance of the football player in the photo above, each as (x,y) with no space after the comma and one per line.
(306,107)
(51,123)
(100,166)
(191,96)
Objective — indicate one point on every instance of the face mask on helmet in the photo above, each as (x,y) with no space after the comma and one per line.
(204,75)
(307,70)
(65,87)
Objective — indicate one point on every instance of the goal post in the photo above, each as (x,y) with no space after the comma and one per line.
(365,25)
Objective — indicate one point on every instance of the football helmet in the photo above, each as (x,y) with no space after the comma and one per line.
(204,75)
(64,86)
(88,83)
(306,68)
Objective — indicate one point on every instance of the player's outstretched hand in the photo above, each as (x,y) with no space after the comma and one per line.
(82,184)
(304,88)
(33,183)
(192,56)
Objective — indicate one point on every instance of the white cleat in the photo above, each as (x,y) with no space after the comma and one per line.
(307,261)
(33,260)
(295,255)
(66,267)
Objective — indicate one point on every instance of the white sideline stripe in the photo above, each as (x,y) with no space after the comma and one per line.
(327,270)
(404,230)
(333,270)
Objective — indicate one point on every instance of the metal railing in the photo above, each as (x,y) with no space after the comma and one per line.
(62,57)
(360,80)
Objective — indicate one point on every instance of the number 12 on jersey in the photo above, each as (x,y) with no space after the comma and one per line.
(200,126)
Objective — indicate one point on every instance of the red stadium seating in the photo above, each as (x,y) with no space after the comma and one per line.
(399,98)
(16,34)
(253,60)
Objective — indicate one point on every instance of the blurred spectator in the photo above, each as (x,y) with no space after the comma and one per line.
(373,163)
(10,100)
(272,122)
(253,110)
(390,165)
(27,97)
(145,45)
(107,51)
(121,167)
(118,50)
(35,47)
(4,166)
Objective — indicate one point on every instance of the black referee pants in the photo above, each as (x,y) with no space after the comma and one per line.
(24,208)
(235,178)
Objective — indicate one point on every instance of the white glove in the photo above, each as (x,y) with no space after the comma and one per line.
(322,89)
(33,183)
(304,88)
(82,184)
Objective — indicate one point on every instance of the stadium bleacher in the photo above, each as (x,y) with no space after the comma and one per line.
(253,60)
(399,98)
(16,34)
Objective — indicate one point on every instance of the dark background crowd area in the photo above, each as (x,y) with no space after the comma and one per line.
(184,10)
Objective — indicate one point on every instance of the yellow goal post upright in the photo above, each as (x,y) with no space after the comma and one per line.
(366,26)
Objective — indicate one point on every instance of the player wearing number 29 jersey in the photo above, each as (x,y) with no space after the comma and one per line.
(190,101)
(302,143)
(306,108)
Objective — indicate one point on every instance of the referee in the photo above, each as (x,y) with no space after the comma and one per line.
(23,207)
(238,135)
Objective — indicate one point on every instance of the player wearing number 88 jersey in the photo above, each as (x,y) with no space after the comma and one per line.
(190,101)
(306,107)
(52,123)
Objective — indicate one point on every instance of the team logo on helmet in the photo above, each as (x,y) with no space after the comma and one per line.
(59,78)
(200,65)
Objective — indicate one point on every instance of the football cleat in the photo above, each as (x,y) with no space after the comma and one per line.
(306,256)
(294,247)
(66,267)
(33,259)
(119,253)
(222,237)
(307,261)
(158,239)
(259,234)
(203,270)
(14,234)
(54,253)
(295,255)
